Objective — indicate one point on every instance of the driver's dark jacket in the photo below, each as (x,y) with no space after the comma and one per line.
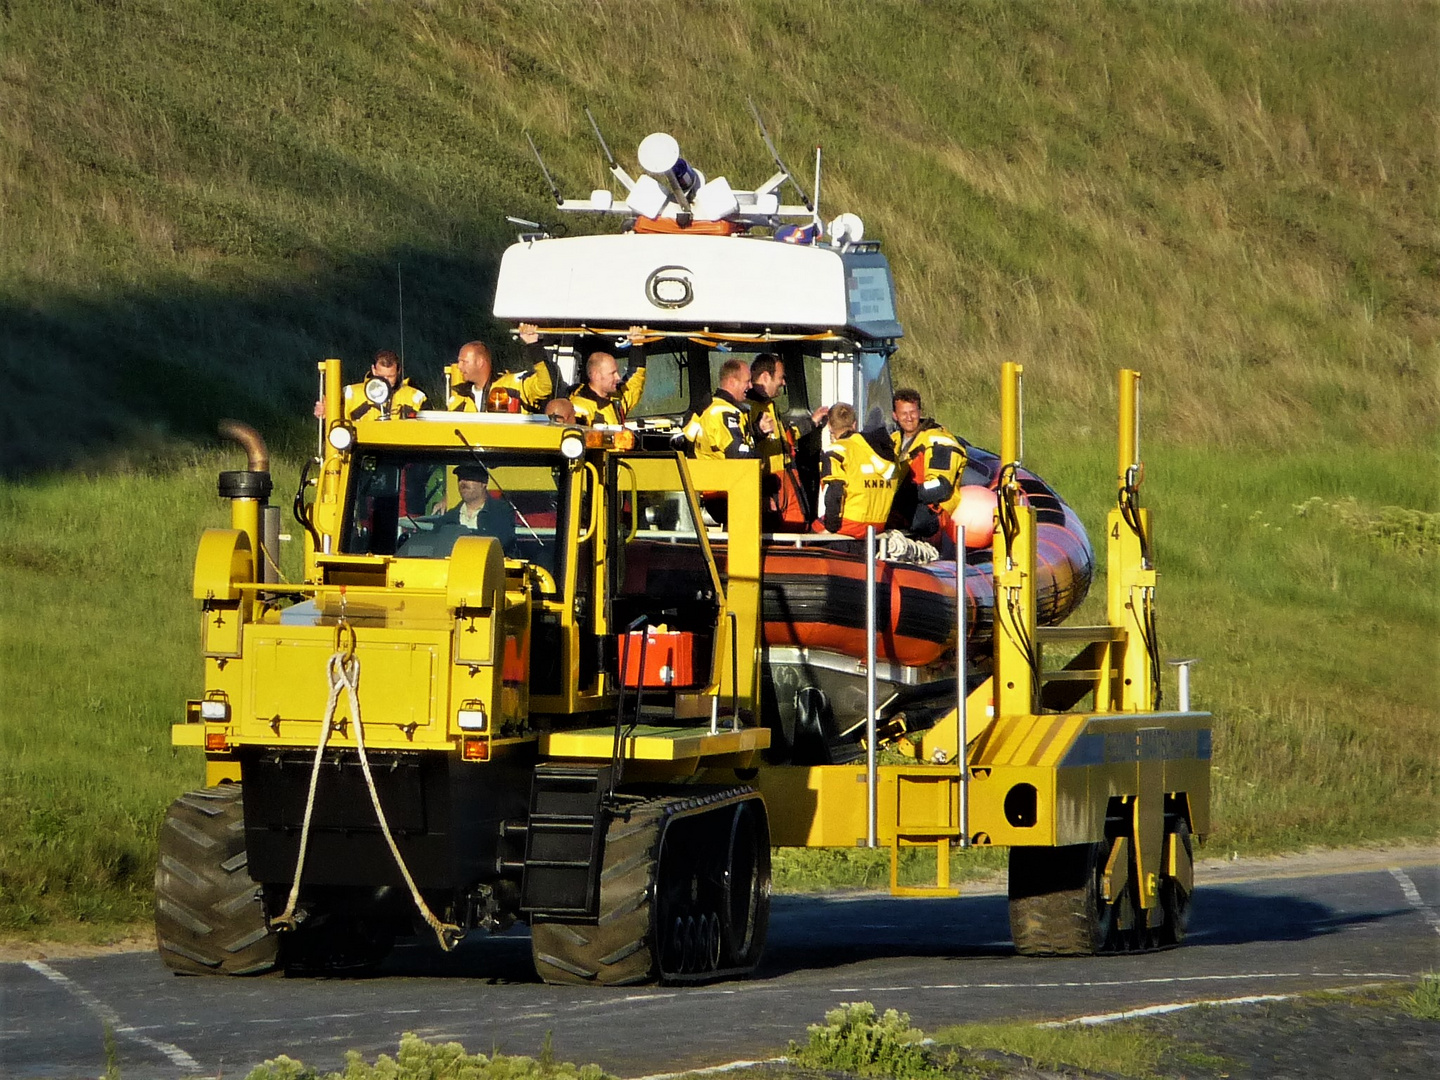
(496,518)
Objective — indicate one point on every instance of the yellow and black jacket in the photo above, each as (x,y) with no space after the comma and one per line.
(406,400)
(511,391)
(857,486)
(592,409)
(935,459)
(721,430)
(777,449)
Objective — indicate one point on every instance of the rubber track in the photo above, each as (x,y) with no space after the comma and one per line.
(209,915)
(621,949)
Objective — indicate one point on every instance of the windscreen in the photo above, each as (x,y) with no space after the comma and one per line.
(416,504)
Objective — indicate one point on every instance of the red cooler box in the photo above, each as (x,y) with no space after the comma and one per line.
(669,659)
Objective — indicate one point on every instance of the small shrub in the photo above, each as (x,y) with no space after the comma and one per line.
(421,1060)
(854,1040)
(1396,527)
(1425,1001)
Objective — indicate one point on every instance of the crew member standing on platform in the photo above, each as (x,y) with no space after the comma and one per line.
(790,506)
(406,399)
(935,459)
(723,429)
(606,398)
(857,480)
(474,388)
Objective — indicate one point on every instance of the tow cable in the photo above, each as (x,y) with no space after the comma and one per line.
(343,670)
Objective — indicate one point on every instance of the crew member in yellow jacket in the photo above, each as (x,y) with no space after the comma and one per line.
(473,386)
(857,479)
(606,398)
(406,399)
(788,506)
(935,459)
(723,428)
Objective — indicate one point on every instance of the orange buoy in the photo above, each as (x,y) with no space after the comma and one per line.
(977,513)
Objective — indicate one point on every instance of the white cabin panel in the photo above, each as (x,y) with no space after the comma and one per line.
(659,278)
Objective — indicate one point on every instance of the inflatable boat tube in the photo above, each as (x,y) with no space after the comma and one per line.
(814,594)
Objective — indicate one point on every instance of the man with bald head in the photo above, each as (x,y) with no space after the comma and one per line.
(560,410)
(606,398)
(474,387)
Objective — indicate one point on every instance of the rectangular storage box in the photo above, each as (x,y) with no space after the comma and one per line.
(669,659)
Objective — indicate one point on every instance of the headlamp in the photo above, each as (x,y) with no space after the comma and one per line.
(572,445)
(341,437)
(377,391)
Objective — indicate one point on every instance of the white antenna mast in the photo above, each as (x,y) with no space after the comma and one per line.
(816,208)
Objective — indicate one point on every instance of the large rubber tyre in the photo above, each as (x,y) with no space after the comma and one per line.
(619,950)
(1056,908)
(209,914)
(1174,897)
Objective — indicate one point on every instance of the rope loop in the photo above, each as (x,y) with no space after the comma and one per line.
(343,672)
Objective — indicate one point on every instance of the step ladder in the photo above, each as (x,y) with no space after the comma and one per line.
(564,842)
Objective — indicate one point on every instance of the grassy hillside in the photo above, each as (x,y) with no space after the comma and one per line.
(199,200)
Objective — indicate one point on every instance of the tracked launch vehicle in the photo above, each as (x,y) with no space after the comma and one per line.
(601,719)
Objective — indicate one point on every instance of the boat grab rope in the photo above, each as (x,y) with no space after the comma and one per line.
(344,674)
(700,337)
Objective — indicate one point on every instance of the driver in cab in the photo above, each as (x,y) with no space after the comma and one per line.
(480,512)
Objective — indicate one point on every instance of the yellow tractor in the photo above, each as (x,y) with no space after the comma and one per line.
(570,676)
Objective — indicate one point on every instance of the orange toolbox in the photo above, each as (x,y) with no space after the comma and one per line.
(669,658)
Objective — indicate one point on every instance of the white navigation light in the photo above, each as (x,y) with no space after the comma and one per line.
(715,201)
(847,229)
(601,199)
(647,198)
(377,391)
(659,153)
(572,446)
(660,156)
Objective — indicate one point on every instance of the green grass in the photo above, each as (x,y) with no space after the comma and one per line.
(1128,1050)
(200,200)
(99,642)
(1424,1001)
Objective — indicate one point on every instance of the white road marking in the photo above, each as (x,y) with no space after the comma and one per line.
(1412,894)
(1180,1006)
(729,1067)
(1127,982)
(169,1051)
(1159,1010)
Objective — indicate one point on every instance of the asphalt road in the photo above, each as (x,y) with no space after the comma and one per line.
(942,961)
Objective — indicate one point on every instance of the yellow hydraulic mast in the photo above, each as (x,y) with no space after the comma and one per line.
(1130,570)
(1014,552)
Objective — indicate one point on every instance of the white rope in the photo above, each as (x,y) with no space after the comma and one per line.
(286,919)
(344,672)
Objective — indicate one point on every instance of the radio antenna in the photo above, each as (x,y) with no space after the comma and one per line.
(400,290)
(616,169)
(775,156)
(609,157)
(554,190)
